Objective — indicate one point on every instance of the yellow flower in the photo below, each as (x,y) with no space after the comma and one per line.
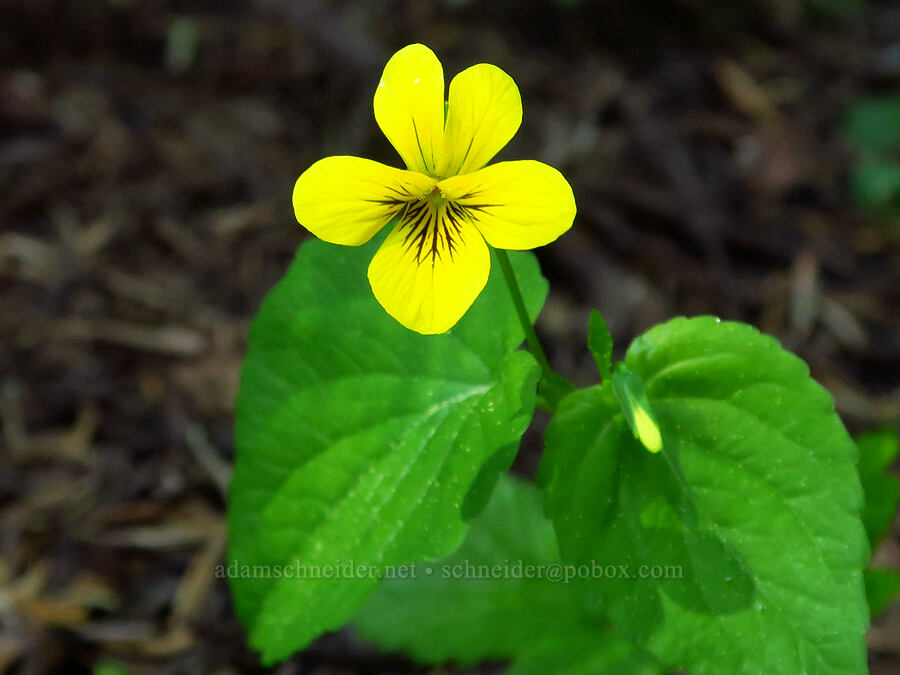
(435,262)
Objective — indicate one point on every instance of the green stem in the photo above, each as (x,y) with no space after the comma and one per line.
(530,336)
(553,387)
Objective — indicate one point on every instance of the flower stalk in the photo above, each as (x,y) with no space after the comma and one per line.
(552,386)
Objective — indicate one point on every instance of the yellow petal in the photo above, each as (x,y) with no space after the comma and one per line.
(409,106)
(483,113)
(346,200)
(430,269)
(515,205)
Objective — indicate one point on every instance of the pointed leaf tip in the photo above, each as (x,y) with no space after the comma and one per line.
(600,343)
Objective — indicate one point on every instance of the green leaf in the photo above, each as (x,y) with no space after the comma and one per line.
(874,123)
(584,652)
(456,609)
(876,184)
(882,588)
(357,440)
(749,518)
(600,343)
(109,668)
(494,599)
(182,42)
(877,451)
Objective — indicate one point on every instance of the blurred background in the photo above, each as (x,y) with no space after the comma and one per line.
(737,158)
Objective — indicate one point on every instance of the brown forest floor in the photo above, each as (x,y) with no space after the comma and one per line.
(145,211)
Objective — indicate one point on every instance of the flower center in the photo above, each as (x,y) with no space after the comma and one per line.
(436,198)
(432,227)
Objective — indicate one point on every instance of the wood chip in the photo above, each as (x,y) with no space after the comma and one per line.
(197,582)
(172,340)
(744,92)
